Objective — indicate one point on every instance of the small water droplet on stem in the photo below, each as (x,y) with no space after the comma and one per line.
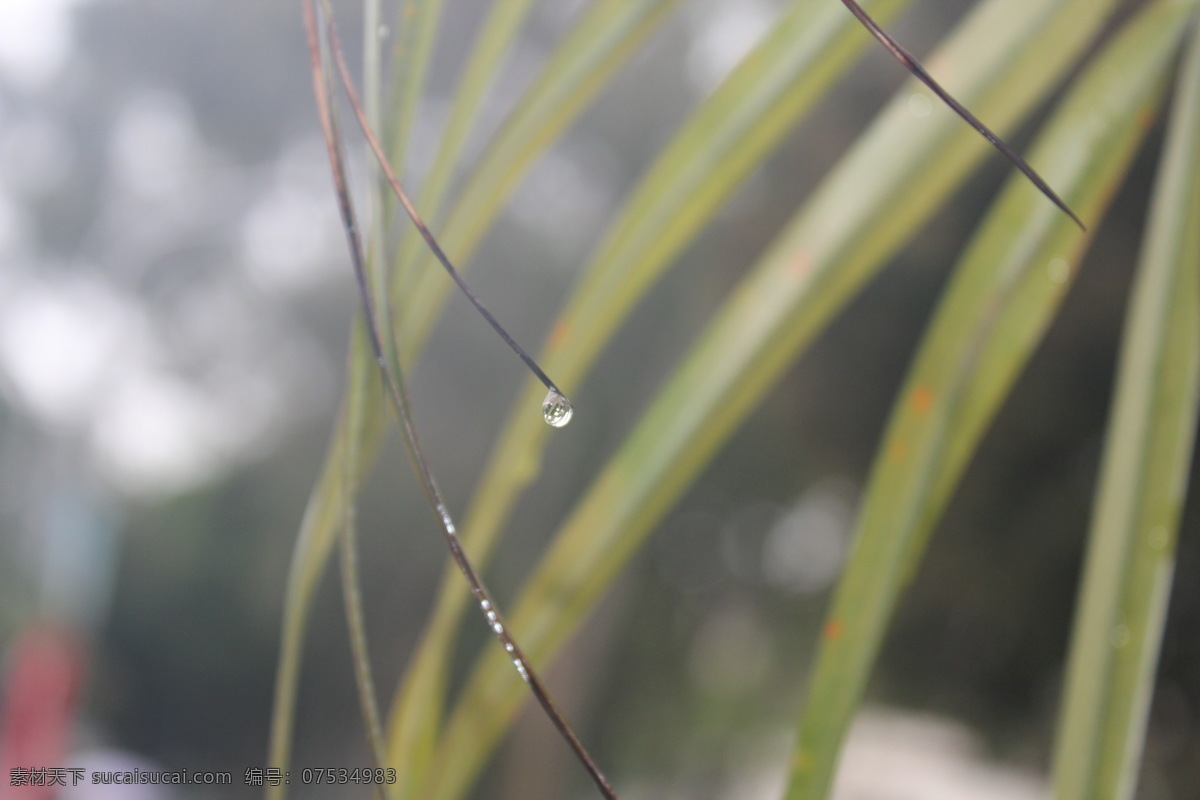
(556,409)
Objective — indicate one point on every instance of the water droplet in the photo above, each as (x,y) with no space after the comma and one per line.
(919,104)
(556,409)
(1119,636)
(384,31)
(520,665)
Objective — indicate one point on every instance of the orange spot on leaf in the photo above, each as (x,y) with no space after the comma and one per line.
(832,630)
(1147,118)
(800,264)
(898,451)
(558,334)
(922,399)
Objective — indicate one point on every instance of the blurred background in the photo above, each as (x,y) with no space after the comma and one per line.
(175,300)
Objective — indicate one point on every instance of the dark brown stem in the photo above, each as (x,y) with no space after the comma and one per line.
(398,395)
(426,234)
(912,65)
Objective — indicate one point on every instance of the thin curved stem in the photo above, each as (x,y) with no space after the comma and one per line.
(912,65)
(398,396)
(426,234)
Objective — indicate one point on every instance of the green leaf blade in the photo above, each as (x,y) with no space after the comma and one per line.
(361,410)
(496,36)
(416,29)
(1127,575)
(872,201)
(1004,295)
(325,511)
(600,43)
(581,66)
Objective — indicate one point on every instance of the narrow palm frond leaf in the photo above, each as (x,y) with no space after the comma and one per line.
(417,27)
(351,581)
(496,36)
(1004,294)
(909,61)
(413,34)
(603,41)
(1144,477)
(1005,57)
(569,81)
(717,148)
(396,392)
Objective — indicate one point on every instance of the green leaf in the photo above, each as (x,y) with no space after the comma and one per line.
(416,28)
(1003,297)
(495,37)
(415,32)
(311,553)
(354,437)
(570,79)
(361,409)
(603,41)
(712,154)
(1148,451)
(1005,58)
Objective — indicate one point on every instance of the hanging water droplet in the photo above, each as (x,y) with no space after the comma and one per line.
(556,409)
(1119,635)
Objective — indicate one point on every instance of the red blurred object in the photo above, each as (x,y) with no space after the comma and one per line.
(41,687)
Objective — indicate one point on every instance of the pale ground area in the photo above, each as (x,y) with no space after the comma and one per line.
(891,755)
(894,755)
